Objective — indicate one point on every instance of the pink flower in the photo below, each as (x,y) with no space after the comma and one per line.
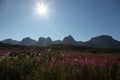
(110,67)
(37,60)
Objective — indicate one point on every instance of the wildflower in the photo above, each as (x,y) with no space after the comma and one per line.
(110,67)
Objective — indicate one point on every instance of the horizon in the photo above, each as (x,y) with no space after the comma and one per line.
(82,19)
(59,39)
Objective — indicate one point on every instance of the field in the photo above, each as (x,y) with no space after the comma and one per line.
(48,64)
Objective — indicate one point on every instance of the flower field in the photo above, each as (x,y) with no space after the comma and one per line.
(59,65)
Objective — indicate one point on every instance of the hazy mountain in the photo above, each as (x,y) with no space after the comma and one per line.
(69,40)
(28,41)
(80,43)
(44,41)
(10,41)
(103,41)
(57,42)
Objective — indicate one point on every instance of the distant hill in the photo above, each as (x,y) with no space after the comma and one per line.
(27,41)
(44,41)
(57,42)
(103,41)
(69,40)
(10,41)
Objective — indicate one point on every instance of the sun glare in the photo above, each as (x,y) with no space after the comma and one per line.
(42,9)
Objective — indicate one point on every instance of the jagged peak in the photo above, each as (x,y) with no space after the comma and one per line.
(68,37)
(49,38)
(42,38)
(27,39)
(98,40)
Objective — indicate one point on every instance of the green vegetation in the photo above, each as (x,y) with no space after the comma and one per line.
(59,65)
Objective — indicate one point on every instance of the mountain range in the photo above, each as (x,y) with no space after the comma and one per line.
(102,41)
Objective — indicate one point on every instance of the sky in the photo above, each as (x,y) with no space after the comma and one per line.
(82,19)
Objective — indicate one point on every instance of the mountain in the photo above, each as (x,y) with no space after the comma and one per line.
(28,42)
(80,43)
(57,42)
(44,41)
(103,41)
(10,41)
(69,40)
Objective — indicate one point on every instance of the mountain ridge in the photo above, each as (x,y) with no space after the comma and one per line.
(102,41)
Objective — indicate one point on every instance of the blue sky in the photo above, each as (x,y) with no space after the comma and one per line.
(82,19)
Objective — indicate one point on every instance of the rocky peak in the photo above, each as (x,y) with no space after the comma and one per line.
(69,40)
(28,41)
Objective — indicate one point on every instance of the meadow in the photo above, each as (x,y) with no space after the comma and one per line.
(58,65)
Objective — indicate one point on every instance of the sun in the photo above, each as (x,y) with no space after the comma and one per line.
(42,9)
